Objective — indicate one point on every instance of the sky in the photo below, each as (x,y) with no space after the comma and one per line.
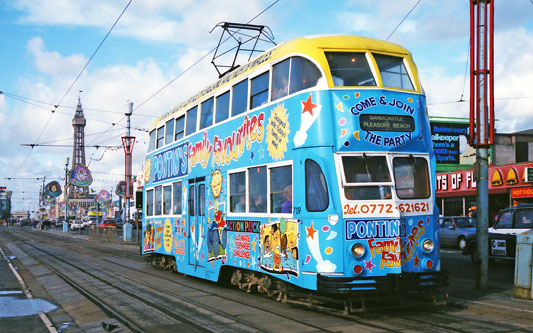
(159,53)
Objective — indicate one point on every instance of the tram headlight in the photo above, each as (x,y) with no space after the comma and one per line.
(358,250)
(428,245)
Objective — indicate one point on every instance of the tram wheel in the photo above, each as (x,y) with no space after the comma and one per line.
(154,260)
(236,278)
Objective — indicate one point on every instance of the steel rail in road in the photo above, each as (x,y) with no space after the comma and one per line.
(131,323)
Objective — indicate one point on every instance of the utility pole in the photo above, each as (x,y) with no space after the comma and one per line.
(482,121)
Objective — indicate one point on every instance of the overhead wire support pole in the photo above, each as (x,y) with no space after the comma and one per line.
(482,121)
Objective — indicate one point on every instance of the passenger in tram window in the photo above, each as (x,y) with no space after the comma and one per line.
(385,192)
(286,206)
(281,89)
(241,205)
(258,204)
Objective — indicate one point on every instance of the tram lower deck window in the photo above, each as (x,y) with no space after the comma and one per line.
(158,200)
(150,203)
(411,177)
(366,177)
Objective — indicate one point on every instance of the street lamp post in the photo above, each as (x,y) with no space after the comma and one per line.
(65,195)
(127,142)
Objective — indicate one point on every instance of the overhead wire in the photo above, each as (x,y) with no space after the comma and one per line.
(70,87)
(393,31)
(47,105)
(466,100)
(197,62)
(141,104)
(466,71)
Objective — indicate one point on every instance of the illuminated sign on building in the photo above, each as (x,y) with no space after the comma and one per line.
(463,182)
(445,137)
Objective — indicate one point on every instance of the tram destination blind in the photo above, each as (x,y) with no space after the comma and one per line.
(386,122)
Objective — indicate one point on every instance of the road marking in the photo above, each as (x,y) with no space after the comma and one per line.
(28,294)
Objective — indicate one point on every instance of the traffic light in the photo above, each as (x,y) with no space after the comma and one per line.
(139,199)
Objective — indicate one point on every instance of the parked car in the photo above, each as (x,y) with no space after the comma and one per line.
(76,225)
(108,223)
(119,223)
(502,235)
(59,222)
(454,230)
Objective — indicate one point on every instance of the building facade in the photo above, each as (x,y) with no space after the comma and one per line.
(510,177)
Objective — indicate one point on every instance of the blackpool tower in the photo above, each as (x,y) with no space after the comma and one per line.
(78,150)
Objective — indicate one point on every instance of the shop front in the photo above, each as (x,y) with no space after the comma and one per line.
(509,185)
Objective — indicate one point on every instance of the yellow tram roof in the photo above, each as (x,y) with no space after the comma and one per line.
(311,46)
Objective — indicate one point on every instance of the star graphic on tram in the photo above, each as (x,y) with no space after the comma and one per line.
(369,265)
(308,105)
(310,231)
(416,261)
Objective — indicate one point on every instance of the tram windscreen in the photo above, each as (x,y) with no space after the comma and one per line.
(350,69)
(366,177)
(411,177)
(393,72)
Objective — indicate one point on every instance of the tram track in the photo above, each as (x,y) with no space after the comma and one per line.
(174,298)
(166,307)
(159,281)
(406,320)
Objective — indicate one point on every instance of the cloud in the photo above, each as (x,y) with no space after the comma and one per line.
(513,79)
(51,62)
(148,20)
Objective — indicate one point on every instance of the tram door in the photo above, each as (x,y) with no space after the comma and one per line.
(197,221)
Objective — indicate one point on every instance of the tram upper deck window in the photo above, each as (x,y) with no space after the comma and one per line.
(280,79)
(411,177)
(240,98)
(190,128)
(393,72)
(366,178)
(292,75)
(180,128)
(222,109)
(151,143)
(350,69)
(304,74)
(206,114)
(259,91)
(160,137)
(169,131)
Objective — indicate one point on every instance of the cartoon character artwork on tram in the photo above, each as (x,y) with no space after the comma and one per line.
(149,236)
(217,234)
(279,247)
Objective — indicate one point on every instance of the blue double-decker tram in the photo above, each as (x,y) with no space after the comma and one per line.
(310,166)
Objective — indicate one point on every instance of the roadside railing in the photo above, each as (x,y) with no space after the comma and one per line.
(103,234)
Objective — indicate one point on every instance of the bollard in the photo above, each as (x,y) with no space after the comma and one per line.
(65,227)
(523,282)
(126,230)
